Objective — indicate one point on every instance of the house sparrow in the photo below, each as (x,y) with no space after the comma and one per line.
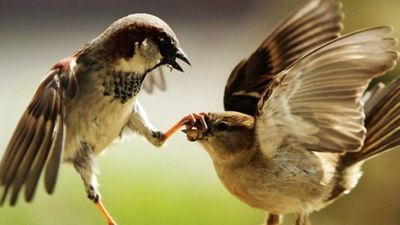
(84,103)
(294,133)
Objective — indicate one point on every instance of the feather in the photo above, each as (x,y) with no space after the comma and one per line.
(317,22)
(316,103)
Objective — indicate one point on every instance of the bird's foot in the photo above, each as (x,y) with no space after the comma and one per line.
(94,195)
(197,127)
(197,120)
(190,121)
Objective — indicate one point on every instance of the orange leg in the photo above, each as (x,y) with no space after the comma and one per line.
(104,213)
(192,118)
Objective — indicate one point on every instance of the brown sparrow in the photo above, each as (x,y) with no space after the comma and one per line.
(294,133)
(83,105)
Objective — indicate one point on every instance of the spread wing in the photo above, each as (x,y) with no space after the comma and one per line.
(154,79)
(38,140)
(314,24)
(317,103)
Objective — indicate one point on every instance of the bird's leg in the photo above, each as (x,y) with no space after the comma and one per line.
(189,121)
(83,164)
(302,219)
(274,219)
(90,182)
(139,123)
(104,213)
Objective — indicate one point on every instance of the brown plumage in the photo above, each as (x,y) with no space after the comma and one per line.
(84,103)
(300,143)
(38,137)
(307,28)
(382,110)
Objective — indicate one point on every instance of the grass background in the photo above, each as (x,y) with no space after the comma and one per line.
(177,184)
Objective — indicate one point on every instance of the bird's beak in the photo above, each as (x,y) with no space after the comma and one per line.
(197,131)
(180,54)
(194,134)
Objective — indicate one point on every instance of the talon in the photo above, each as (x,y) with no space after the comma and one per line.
(198,130)
(189,122)
(201,118)
(192,118)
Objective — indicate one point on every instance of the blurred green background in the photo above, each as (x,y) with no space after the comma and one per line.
(177,184)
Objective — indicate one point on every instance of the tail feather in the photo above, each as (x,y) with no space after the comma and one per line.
(382,120)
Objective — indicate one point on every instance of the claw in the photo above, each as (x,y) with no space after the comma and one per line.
(197,128)
(202,118)
(194,118)
(189,122)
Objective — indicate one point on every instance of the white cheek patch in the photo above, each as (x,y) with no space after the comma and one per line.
(136,64)
(145,58)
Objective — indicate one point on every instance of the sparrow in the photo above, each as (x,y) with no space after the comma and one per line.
(296,131)
(84,103)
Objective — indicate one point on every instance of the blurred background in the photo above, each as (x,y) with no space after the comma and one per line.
(177,184)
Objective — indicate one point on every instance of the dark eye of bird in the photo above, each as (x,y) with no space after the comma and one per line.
(162,43)
(222,126)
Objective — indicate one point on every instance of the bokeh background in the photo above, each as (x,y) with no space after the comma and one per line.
(177,184)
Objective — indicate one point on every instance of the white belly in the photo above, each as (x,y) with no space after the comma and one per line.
(95,120)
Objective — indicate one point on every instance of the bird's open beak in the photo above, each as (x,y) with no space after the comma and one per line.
(180,54)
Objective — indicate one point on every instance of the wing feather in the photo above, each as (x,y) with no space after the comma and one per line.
(39,137)
(38,163)
(316,104)
(314,24)
(54,159)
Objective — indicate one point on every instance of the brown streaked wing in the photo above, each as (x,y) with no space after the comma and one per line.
(314,24)
(317,103)
(154,79)
(382,121)
(54,158)
(35,142)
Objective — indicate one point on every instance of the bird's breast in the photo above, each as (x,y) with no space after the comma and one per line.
(121,86)
(99,112)
(290,182)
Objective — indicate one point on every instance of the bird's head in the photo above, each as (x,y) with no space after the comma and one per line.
(138,43)
(228,138)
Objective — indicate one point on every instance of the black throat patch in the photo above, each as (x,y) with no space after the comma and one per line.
(121,85)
